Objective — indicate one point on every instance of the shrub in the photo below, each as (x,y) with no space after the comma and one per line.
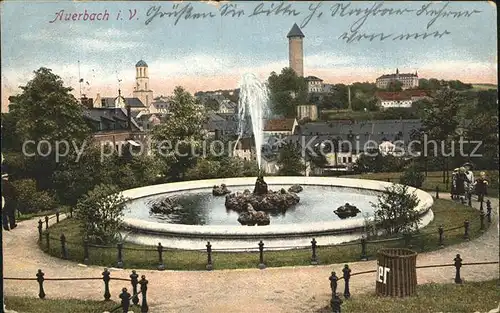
(412,176)
(29,199)
(395,210)
(101,213)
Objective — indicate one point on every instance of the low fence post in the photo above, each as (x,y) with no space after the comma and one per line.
(47,238)
(363,249)
(466,230)
(144,287)
(481,220)
(209,266)
(57,216)
(388,180)
(85,251)
(40,229)
(71,212)
(314,258)
(336,303)
(40,279)
(64,252)
(437,192)
(125,296)
(261,256)
(488,213)
(441,231)
(481,209)
(161,266)
(134,280)
(469,199)
(46,222)
(458,265)
(106,279)
(347,275)
(333,283)
(119,262)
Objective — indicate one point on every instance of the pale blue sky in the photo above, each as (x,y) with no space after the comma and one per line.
(222,46)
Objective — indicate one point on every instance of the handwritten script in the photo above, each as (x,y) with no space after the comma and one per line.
(359,16)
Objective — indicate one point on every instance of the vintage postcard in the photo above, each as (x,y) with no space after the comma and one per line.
(243,156)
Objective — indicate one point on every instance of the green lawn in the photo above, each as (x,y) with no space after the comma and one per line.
(36,305)
(447,213)
(432,180)
(430,298)
(41,214)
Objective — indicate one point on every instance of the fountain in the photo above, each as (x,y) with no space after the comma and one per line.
(200,211)
(254,97)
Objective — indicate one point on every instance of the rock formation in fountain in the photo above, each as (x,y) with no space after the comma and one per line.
(252,217)
(346,211)
(166,205)
(295,188)
(220,190)
(261,199)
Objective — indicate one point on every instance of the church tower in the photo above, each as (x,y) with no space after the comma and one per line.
(296,50)
(141,89)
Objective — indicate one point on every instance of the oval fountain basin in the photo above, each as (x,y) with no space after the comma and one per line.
(205,218)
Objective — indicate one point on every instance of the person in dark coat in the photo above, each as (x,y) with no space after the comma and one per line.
(461,181)
(481,186)
(9,211)
(454,176)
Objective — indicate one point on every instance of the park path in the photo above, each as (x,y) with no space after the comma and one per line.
(277,290)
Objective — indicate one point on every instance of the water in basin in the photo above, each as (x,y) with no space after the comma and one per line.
(200,207)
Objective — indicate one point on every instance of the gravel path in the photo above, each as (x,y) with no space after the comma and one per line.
(278,290)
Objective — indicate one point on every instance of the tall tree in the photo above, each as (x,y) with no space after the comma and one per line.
(287,90)
(439,124)
(180,138)
(45,110)
(290,161)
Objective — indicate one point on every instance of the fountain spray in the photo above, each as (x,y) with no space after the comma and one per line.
(254,97)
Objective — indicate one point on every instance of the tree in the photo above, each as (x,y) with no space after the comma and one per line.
(212,104)
(29,199)
(290,161)
(395,210)
(487,101)
(412,176)
(483,129)
(45,110)
(375,162)
(458,85)
(204,169)
(395,85)
(180,139)
(222,168)
(439,124)
(287,90)
(101,214)
(76,176)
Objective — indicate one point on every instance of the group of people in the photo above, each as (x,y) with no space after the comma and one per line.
(463,184)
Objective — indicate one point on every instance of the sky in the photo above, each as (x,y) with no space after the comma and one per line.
(213,53)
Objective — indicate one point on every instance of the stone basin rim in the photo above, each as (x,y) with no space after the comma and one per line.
(347,225)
